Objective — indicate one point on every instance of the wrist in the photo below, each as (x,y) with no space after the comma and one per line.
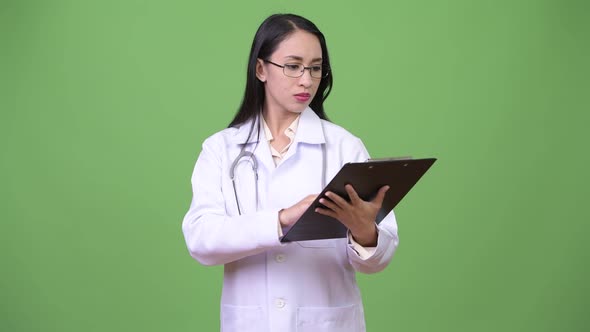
(367,237)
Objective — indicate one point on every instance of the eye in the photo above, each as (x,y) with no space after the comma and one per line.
(316,68)
(293,66)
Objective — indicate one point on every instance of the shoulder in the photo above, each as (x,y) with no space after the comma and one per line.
(223,137)
(347,145)
(336,134)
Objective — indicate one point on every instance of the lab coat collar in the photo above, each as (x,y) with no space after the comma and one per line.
(310,130)
(243,130)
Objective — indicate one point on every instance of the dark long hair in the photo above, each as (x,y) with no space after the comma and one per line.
(269,35)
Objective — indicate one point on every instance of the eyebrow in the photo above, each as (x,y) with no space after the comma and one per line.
(298,58)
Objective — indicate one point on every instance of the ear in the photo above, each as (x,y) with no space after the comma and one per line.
(260,72)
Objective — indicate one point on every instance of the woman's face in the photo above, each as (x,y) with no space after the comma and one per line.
(290,94)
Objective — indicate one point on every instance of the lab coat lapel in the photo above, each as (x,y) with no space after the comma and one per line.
(309,131)
(263,153)
(256,143)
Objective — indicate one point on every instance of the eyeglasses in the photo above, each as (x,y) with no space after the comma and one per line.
(296,69)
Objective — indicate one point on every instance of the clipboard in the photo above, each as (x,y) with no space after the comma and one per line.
(400,174)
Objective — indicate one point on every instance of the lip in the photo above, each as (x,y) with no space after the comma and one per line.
(302,97)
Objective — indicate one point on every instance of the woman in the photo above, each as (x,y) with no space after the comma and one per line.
(253,180)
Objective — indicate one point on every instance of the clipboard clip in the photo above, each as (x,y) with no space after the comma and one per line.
(390,159)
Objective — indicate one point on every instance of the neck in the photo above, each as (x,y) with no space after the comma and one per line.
(278,122)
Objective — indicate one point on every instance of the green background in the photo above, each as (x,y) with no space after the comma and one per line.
(104,106)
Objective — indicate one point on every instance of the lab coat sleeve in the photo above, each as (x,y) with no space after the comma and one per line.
(213,237)
(387,242)
(387,239)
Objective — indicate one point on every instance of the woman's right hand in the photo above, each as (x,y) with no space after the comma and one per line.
(288,216)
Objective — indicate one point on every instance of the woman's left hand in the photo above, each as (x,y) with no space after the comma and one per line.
(357,215)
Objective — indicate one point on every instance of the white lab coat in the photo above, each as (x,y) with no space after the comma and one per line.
(269,286)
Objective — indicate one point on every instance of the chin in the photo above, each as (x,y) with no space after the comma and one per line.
(299,109)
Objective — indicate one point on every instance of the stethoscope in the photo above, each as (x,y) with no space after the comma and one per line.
(254,163)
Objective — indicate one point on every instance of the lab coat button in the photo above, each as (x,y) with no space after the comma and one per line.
(280,303)
(280,258)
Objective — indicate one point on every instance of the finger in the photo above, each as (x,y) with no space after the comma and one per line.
(341,202)
(327,212)
(331,214)
(329,204)
(354,197)
(380,195)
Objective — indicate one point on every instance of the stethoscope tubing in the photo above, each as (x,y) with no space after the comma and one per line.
(252,159)
(254,162)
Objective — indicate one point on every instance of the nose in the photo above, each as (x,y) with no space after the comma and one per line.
(305,80)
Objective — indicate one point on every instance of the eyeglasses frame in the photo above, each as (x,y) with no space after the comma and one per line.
(303,71)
